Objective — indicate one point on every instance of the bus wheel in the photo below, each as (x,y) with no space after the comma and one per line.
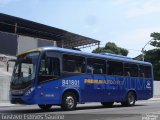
(45,106)
(69,101)
(107,104)
(130,100)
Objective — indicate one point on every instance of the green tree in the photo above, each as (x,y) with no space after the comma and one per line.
(98,50)
(156,39)
(153,56)
(111,48)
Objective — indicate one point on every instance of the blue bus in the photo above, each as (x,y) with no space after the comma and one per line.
(56,76)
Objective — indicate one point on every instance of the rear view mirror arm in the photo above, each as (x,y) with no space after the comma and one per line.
(11,60)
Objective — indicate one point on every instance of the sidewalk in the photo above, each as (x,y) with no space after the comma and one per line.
(155,98)
(7,103)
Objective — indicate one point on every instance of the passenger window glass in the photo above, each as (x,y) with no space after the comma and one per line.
(49,68)
(145,71)
(115,68)
(131,70)
(73,63)
(96,66)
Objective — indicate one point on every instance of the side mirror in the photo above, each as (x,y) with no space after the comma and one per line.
(12,60)
(29,71)
(7,66)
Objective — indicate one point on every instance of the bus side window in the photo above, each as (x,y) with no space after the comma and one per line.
(131,69)
(89,69)
(96,66)
(54,67)
(127,73)
(145,71)
(115,68)
(72,63)
(98,71)
(141,71)
(50,66)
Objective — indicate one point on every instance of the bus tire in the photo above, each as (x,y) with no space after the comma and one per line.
(107,104)
(45,106)
(69,101)
(130,99)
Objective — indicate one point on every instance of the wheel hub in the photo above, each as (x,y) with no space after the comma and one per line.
(131,100)
(70,101)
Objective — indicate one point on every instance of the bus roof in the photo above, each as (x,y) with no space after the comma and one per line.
(96,55)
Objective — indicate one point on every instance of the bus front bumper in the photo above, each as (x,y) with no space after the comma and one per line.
(22,100)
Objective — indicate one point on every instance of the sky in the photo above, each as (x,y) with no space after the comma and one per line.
(128,23)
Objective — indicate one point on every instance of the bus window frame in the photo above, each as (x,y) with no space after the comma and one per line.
(76,56)
(132,64)
(151,70)
(38,69)
(113,60)
(105,73)
(99,58)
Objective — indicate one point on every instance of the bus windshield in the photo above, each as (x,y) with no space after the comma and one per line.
(25,69)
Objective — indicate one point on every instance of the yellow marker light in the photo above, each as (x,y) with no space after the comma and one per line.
(29,51)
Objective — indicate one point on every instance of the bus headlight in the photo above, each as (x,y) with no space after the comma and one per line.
(29,91)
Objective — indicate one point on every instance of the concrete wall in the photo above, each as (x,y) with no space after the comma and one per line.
(156,88)
(12,44)
(26,43)
(4,88)
(5,76)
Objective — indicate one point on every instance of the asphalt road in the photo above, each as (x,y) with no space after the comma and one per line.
(91,111)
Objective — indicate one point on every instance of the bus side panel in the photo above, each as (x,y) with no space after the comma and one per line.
(125,84)
(147,91)
(51,92)
(120,88)
(99,88)
(144,88)
(107,89)
(87,89)
(100,93)
(48,92)
(113,88)
(140,88)
(148,88)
